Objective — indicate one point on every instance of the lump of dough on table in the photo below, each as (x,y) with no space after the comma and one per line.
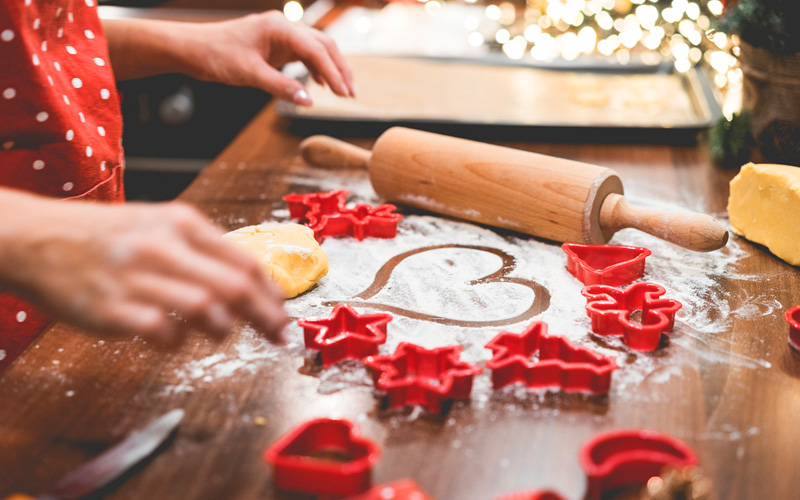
(289,254)
(764,207)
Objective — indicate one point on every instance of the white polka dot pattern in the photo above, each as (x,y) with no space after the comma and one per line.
(42,116)
(77,83)
(6,35)
(21,316)
(9,93)
(38,165)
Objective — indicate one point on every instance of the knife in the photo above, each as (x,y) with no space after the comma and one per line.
(112,463)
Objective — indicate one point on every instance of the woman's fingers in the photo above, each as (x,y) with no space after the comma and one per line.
(338,59)
(316,57)
(138,319)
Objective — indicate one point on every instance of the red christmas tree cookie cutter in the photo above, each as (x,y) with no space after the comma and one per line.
(560,364)
(610,310)
(629,457)
(345,334)
(793,318)
(613,265)
(327,215)
(430,378)
(323,457)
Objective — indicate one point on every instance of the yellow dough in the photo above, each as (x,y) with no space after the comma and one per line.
(290,255)
(764,207)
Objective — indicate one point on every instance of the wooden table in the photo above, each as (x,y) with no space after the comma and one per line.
(71,396)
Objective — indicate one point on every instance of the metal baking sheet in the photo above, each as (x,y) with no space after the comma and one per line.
(413,90)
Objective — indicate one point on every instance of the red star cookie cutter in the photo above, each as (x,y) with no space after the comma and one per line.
(403,489)
(793,318)
(430,378)
(345,334)
(613,265)
(560,363)
(629,457)
(533,495)
(323,457)
(611,308)
(327,215)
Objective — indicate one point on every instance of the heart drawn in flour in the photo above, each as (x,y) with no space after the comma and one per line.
(429,290)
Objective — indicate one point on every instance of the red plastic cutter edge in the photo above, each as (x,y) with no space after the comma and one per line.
(344,344)
(639,336)
(301,204)
(298,473)
(360,222)
(508,367)
(792,317)
(632,464)
(621,273)
(404,391)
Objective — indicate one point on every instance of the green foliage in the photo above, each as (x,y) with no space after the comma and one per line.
(768,24)
(731,142)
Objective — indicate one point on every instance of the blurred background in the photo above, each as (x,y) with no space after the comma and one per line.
(175,125)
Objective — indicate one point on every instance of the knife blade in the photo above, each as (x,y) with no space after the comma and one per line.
(113,462)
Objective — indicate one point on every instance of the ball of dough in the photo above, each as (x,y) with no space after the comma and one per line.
(289,254)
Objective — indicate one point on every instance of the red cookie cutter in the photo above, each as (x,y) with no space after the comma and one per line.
(629,457)
(533,495)
(611,308)
(613,265)
(300,205)
(361,221)
(560,364)
(430,378)
(323,457)
(793,318)
(403,489)
(327,215)
(345,334)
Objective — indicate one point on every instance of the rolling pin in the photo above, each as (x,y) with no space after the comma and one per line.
(547,197)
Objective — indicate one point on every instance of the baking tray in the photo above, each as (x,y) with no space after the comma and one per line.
(498,92)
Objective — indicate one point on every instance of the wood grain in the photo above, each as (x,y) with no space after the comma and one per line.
(71,396)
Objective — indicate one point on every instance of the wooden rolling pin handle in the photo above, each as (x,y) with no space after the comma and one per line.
(698,232)
(326,152)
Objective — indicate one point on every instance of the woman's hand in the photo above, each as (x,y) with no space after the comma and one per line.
(246,51)
(134,269)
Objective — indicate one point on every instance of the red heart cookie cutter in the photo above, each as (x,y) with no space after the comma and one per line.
(323,457)
(345,334)
(327,215)
(793,318)
(610,310)
(430,378)
(629,457)
(613,265)
(533,495)
(560,363)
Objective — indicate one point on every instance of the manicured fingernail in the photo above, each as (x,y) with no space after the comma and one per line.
(302,98)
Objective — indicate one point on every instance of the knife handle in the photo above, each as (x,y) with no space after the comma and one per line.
(18,496)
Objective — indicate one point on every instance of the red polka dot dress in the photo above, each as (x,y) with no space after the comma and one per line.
(60,122)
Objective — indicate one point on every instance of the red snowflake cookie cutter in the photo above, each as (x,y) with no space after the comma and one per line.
(793,318)
(629,457)
(302,460)
(610,310)
(613,265)
(345,334)
(560,364)
(430,378)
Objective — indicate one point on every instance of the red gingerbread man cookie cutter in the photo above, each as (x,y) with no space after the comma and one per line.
(345,334)
(560,363)
(430,378)
(610,310)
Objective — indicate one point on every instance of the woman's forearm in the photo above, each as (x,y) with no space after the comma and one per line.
(145,47)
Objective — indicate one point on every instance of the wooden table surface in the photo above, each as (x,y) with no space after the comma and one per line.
(70,396)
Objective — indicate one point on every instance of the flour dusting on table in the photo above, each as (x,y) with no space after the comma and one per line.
(437,282)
